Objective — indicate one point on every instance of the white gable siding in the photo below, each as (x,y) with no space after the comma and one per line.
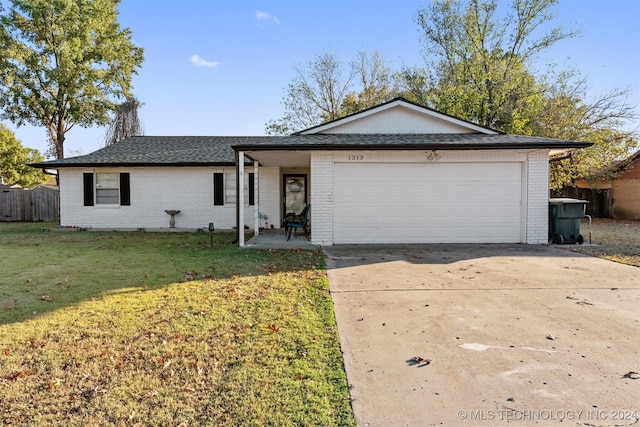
(397,120)
(154,190)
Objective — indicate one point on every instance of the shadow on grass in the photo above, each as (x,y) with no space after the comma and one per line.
(46,271)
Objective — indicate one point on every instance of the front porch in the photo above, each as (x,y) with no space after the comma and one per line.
(281,183)
(275,238)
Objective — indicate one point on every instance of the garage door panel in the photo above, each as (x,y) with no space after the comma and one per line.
(427,203)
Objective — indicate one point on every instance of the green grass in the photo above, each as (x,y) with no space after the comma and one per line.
(161,329)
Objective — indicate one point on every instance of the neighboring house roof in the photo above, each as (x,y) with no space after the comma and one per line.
(44,187)
(628,161)
(10,187)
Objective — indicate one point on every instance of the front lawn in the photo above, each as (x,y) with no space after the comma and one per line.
(108,328)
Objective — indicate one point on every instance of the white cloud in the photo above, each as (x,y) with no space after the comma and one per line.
(199,62)
(261,16)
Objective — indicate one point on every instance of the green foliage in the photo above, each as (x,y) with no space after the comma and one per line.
(480,61)
(160,329)
(480,69)
(62,63)
(14,159)
(566,114)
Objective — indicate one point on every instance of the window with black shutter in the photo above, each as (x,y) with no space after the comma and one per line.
(218,189)
(125,192)
(108,188)
(87,179)
(252,189)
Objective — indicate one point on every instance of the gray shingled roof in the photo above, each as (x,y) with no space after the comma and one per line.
(440,141)
(158,151)
(219,150)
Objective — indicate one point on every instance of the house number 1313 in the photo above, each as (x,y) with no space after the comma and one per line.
(356,157)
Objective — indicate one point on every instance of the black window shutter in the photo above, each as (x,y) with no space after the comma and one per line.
(252,189)
(218,189)
(125,192)
(87,179)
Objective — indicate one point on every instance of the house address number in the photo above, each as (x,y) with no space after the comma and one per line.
(356,157)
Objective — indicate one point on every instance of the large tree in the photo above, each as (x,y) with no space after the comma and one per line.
(375,82)
(326,89)
(479,59)
(481,66)
(14,159)
(566,113)
(64,63)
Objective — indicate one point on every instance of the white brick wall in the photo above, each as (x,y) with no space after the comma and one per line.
(537,197)
(322,198)
(269,195)
(189,189)
(535,185)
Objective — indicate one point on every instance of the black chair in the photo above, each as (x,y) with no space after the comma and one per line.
(294,222)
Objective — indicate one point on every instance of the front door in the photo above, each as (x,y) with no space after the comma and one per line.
(295,193)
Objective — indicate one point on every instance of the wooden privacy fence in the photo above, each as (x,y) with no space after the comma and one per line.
(39,204)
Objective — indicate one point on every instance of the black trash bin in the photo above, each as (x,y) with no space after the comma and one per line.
(564,220)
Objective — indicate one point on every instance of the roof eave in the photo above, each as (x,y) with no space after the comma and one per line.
(409,147)
(126,164)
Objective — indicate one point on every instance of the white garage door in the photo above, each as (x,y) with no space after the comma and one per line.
(428,203)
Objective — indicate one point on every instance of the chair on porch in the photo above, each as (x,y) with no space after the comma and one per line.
(294,222)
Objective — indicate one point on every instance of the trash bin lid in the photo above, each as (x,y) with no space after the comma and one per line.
(564,200)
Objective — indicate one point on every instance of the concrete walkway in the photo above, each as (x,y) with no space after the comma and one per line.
(484,335)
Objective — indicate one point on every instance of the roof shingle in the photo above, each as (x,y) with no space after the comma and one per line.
(219,150)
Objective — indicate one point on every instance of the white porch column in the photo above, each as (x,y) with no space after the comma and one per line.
(256,199)
(240,200)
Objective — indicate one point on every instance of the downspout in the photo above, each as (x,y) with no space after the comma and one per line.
(240,197)
(256,199)
(237,198)
(44,171)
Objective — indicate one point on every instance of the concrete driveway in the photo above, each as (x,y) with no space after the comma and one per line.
(483,335)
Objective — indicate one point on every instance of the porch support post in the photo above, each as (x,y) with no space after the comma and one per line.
(240,197)
(256,199)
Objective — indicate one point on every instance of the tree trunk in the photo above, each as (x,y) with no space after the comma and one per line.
(57,138)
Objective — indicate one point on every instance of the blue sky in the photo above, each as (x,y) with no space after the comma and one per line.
(219,67)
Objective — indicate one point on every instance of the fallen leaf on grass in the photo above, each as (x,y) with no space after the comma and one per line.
(21,374)
(37,344)
(273,328)
(54,383)
(270,268)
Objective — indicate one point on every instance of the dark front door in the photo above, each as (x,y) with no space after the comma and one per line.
(295,193)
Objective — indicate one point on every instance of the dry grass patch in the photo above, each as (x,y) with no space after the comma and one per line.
(614,239)
(159,329)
